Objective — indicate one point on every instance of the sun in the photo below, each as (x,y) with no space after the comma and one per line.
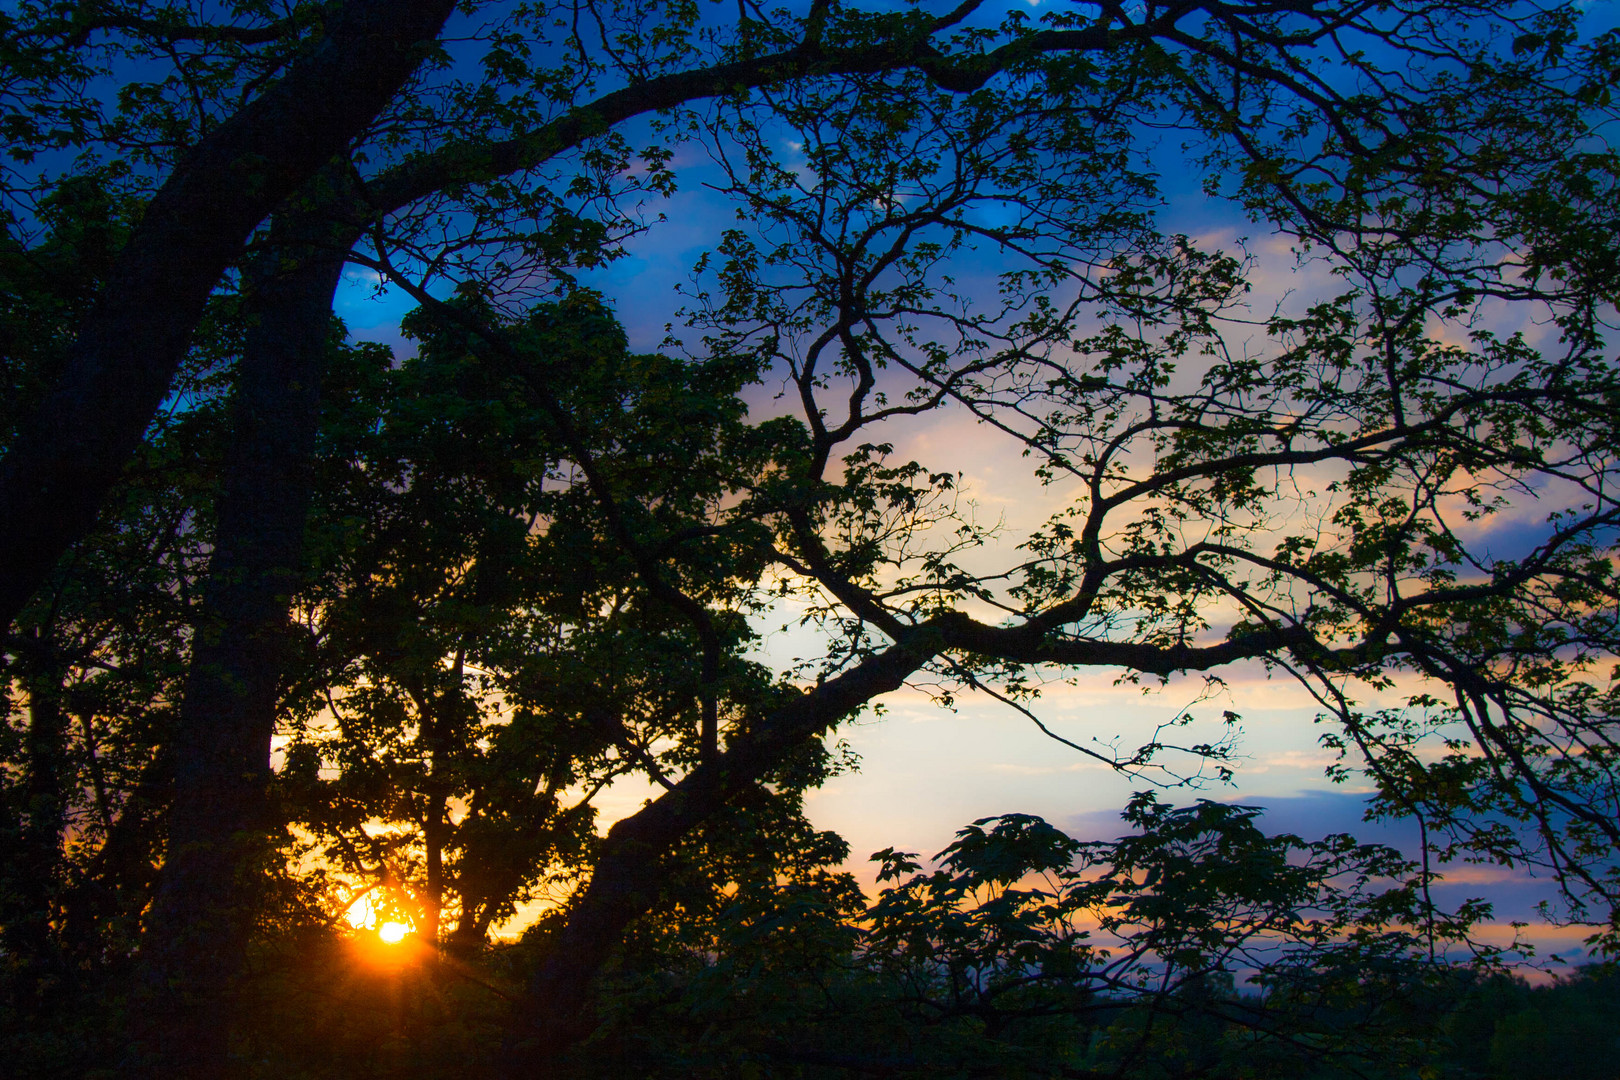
(364,914)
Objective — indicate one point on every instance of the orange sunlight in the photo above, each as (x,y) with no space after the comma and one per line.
(363,914)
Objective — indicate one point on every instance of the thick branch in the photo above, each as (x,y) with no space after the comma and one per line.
(119,368)
(465,164)
(631,866)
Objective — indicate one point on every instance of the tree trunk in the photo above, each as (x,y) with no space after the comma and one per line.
(631,868)
(433,837)
(33,871)
(221,825)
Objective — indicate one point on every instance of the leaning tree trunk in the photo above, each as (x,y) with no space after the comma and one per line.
(632,867)
(221,825)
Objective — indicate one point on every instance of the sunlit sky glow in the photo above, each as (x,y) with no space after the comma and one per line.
(364,914)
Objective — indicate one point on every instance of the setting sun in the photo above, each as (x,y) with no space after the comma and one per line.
(366,914)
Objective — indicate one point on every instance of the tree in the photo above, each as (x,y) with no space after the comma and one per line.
(127,346)
(1028,953)
(1180,551)
(1503,1027)
(1176,553)
(100,657)
(560,676)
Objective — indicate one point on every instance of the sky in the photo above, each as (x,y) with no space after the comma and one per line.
(925,770)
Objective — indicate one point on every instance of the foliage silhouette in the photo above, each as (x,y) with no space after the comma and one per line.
(469,591)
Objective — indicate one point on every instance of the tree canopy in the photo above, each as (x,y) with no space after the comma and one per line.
(296,622)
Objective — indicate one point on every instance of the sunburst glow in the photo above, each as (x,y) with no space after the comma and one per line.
(362,914)
(366,914)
